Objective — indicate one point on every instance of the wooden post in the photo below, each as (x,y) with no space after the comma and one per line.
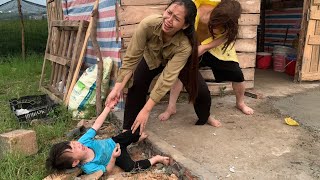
(262,25)
(93,36)
(302,38)
(23,50)
(82,53)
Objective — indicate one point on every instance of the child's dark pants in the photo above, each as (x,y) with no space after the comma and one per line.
(124,161)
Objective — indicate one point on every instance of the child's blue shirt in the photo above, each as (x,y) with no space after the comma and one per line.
(102,149)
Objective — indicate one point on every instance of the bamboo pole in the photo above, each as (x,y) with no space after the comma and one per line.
(23,50)
(82,53)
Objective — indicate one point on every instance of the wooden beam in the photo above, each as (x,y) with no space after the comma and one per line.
(249,19)
(248,74)
(244,31)
(55,98)
(314,13)
(247,32)
(78,39)
(57,59)
(314,40)
(247,60)
(96,48)
(241,45)
(310,76)
(127,30)
(246,45)
(302,41)
(315,60)
(307,53)
(55,91)
(134,14)
(317,30)
(214,88)
(74,24)
(250,6)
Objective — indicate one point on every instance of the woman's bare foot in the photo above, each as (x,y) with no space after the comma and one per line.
(213,122)
(245,109)
(160,159)
(167,114)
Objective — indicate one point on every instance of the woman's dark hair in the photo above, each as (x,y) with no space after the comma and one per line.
(58,160)
(226,16)
(193,61)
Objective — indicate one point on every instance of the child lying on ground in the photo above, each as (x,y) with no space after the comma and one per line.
(93,155)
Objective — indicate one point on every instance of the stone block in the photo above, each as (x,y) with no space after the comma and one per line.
(18,141)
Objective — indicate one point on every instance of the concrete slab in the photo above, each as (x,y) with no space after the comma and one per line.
(277,84)
(305,108)
(196,169)
(260,146)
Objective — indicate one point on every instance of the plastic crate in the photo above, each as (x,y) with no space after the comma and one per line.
(31,107)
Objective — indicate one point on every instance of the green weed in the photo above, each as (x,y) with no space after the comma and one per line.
(18,79)
(21,78)
(15,166)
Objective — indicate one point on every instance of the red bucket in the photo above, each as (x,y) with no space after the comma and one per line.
(279,62)
(263,60)
(290,66)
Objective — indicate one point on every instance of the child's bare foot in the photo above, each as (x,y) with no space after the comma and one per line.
(160,159)
(164,160)
(213,122)
(245,109)
(167,114)
(143,136)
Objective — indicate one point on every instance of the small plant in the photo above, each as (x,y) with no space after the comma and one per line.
(222,91)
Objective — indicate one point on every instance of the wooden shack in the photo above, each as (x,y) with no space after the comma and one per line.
(285,20)
(131,12)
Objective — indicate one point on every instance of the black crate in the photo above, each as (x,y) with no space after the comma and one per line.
(36,107)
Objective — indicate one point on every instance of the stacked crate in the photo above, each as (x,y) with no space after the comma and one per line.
(131,12)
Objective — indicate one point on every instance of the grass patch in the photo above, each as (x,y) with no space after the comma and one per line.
(36,33)
(19,79)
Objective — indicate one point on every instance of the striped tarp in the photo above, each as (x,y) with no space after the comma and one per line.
(106,30)
(276,24)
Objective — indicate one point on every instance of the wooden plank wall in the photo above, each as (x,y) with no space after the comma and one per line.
(310,70)
(131,12)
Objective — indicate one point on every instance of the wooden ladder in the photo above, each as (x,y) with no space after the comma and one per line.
(64,44)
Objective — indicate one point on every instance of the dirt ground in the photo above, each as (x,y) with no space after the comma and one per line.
(260,146)
(137,152)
